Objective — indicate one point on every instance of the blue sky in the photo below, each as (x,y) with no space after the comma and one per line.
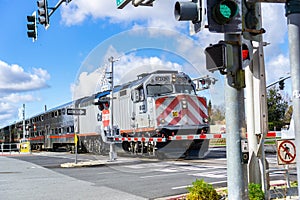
(61,64)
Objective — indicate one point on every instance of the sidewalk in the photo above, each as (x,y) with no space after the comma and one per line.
(24,180)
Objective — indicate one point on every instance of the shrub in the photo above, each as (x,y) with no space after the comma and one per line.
(202,191)
(255,192)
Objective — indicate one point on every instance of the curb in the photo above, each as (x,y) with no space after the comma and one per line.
(94,163)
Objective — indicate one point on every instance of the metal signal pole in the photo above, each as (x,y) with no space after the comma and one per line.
(112,152)
(235,114)
(293,21)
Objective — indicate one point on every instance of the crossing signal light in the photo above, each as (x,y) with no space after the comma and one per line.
(219,57)
(224,16)
(190,11)
(245,52)
(43,13)
(31,26)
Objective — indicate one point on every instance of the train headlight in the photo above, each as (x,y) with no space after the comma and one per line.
(184,104)
(173,78)
(162,121)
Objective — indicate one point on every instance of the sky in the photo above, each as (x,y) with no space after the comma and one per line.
(67,59)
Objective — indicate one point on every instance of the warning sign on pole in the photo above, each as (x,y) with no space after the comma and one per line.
(286,152)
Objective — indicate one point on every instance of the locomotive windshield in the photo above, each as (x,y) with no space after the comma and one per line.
(187,89)
(159,89)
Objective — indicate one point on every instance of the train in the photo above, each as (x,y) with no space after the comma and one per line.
(158,113)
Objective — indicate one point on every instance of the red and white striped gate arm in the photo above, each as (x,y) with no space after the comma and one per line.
(271,134)
(139,139)
(197,137)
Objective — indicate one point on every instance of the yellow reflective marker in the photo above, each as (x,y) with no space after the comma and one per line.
(75,139)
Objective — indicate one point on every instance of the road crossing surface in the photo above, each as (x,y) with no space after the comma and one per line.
(139,178)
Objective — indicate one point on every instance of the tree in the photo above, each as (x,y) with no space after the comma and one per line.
(277,106)
(217,114)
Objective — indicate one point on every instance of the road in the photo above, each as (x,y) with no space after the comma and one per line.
(141,177)
(147,178)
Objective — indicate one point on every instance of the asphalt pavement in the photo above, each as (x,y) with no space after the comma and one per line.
(24,180)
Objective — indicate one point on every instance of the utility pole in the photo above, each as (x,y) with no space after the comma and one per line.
(293,23)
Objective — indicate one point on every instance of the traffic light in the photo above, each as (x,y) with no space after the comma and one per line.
(281,84)
(224,16)
(43,13)
(190,11)
(31,26)
(252,29)
(219,57)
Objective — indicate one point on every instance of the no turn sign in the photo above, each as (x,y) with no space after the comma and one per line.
(286,152)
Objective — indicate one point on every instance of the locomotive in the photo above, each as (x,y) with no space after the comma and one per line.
(159,113)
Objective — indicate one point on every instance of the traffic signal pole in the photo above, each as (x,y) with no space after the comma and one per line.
(293,21)
(234,98)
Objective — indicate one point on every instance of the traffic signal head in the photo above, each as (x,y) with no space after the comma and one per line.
(31,26)
(281,84)
(219,57)
(224,16)
(43,13)
(252,27)
(224,11)
(190,11)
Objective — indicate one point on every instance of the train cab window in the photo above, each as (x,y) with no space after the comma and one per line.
(141,94)
(63,111)
(135,96)
(158,90)
(138,95)
(187,89)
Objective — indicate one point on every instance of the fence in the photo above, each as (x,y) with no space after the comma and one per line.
(9,147)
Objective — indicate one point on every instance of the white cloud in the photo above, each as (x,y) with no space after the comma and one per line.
(161,15)
(15,83)
(278,67)
(15,79)
(274,22)
(126,69)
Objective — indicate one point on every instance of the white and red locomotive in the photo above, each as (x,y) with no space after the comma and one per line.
(159,112)
(149,112)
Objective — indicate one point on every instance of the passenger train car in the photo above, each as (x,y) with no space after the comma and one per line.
(158,113)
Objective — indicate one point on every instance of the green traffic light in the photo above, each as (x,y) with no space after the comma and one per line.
(224,11)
